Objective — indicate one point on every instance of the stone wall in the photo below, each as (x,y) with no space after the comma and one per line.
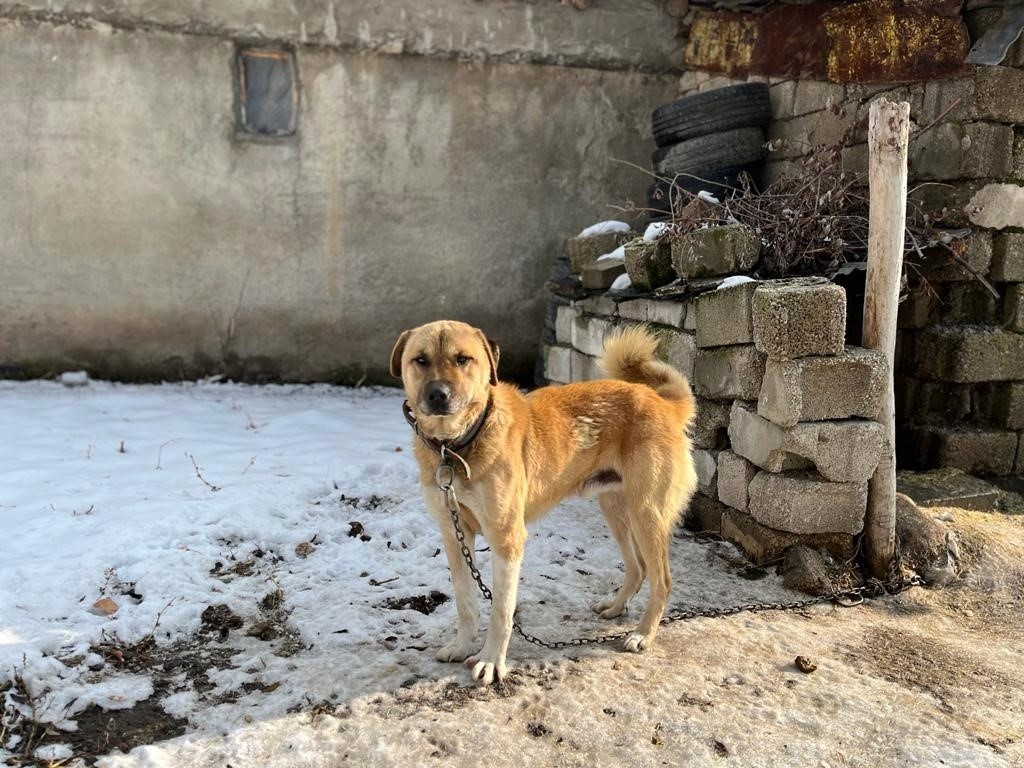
(960,352)
(442,150)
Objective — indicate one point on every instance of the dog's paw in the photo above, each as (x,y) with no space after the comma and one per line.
(636,643)
(455,651)
(606,609)
(487,671)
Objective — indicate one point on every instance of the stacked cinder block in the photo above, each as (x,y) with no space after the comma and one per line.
(799,445)
(960,363)
(581,328)
(784,440)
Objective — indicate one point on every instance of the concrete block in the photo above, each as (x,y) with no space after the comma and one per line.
(600,275)
(842,451)
(963,151)
(649,262)
(704,515)
(970,354)
(822,388)
(998,94)
(660,312)
(724,250)
(1002,404)
(806,503)
(1013,308)
(763,544)
(799,317)
(976,450)
(1008,257)
(816,95)
(968,303)
(996,206)
(734,476)
(706,464)
(724,316)
(710,426)
(602,306)
(729,373)
(558,364)
(948,488)
(564,320)
(947,201)
(939,266)
(919,309)
(589,332)
(678,349)
(781,96)
(950,402)
(585,250)
(585,367)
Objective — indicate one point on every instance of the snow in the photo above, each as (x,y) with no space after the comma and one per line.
(621,283)
(99,496)
(657,229)
(732,280)
(603,227)
(707,197)
(619,255)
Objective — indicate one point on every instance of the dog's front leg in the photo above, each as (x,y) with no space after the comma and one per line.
(506,559)
(464,645)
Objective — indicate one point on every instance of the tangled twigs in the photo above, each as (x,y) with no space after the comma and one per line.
(810,222)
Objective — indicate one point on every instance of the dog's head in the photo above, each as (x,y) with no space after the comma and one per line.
(447,369)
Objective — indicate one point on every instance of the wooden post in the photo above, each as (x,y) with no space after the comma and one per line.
(888,129)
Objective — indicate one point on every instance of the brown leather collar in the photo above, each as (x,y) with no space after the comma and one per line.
(444,447)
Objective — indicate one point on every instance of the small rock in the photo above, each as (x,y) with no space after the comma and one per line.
(104,607)
(806,570)
(805,665)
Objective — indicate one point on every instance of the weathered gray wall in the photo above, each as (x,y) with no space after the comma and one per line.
(140,238)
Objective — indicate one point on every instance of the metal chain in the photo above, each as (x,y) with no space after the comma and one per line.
(444,477)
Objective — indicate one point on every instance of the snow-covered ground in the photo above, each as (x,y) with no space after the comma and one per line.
(298,507)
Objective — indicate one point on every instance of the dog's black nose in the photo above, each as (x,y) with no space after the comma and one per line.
(438,396)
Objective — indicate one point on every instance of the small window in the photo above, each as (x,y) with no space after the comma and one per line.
(268,96)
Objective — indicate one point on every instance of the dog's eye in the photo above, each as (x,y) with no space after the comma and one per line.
(421,361)
(462,360)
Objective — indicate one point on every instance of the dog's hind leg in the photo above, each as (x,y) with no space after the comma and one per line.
(613,506)
(653,544)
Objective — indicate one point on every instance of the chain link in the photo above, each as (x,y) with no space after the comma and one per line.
(444,477)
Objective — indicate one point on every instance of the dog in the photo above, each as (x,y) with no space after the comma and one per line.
(623,439)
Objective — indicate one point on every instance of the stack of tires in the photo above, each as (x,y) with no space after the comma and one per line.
(706,141)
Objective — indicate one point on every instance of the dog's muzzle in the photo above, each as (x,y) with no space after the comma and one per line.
(437,399)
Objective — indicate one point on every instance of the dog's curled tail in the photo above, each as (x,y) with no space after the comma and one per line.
(629,355)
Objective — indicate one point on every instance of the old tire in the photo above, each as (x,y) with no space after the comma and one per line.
(705,154)
(723,109)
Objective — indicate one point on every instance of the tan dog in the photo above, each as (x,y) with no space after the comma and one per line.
(623,438)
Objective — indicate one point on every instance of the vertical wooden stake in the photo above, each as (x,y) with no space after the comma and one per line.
(888,130)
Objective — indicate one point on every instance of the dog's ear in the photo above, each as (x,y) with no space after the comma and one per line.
(493,353)
(396,354)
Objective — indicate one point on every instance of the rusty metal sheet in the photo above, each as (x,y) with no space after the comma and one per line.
(866,41)
(886,41)
(721,42)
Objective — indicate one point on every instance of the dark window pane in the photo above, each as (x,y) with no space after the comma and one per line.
(268,92)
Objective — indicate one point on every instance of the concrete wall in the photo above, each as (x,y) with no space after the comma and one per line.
(141,238)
